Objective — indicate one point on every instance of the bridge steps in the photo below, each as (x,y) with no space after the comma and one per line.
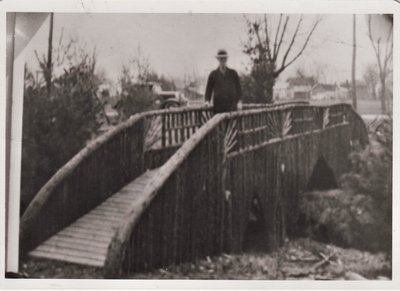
(86,240)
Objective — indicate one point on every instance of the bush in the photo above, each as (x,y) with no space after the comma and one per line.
(371,169)
(339,217)
(56,127)
(371,175)
(360,213)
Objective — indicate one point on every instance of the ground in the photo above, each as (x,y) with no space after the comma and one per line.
(297,260)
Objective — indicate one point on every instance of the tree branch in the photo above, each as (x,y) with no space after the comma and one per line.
(281,38)
(376,50)
(267,38)
(276,35)
(389,48)
(291,44)
(261,47)
(284,66)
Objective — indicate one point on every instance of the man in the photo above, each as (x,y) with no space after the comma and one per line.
(224,86)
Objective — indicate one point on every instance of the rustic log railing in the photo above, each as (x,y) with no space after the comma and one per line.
(104,166)
(170,224)
(144,141)
(198,203)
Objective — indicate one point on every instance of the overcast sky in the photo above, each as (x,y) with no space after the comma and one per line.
(179,43)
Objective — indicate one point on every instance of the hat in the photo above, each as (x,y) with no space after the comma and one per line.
(221,54)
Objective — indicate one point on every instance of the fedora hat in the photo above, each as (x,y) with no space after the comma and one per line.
(221,54)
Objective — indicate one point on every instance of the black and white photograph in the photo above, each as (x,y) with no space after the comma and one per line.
(199,145)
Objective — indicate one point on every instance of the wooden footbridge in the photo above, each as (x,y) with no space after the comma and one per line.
(179,185)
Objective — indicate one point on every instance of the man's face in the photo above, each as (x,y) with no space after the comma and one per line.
(222,61)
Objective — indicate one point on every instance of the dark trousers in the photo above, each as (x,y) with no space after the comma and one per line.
(224,109)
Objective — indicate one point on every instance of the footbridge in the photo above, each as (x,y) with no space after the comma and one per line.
(178,185)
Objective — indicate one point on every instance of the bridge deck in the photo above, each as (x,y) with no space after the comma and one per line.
(86,240)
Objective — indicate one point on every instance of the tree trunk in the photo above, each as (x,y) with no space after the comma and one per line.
(49,57)
(269,92)
(383,95)
(263,87)
(353,67)
(374,95)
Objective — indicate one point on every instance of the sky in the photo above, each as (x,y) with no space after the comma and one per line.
(176,44)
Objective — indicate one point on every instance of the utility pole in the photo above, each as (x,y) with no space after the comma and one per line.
(353,67)
(49,64)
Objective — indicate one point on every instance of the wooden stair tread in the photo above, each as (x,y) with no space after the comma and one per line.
(86,240)
(67,258)
(45,248)
(65,239)
(77,246)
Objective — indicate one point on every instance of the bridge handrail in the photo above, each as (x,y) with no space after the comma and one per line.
(124,231)
(46,192)
(275,104)
(119,243)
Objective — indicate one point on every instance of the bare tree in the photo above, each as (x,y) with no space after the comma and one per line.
(272,50)
(371,79)
(383,48)
(139,67)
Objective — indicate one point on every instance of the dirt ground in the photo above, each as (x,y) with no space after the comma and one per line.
(301,259)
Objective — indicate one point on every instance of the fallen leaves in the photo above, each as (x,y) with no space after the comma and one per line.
(301,259)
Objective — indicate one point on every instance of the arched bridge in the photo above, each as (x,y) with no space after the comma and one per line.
(178,185)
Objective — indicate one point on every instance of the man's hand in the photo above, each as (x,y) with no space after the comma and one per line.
(207,103)
(240,105)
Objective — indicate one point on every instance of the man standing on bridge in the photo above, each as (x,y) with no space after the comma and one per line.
(224,86)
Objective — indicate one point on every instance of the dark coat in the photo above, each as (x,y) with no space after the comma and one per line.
(225,90)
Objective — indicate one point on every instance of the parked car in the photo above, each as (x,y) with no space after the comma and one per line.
(167,99)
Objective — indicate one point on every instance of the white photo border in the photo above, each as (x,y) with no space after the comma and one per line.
(204,6)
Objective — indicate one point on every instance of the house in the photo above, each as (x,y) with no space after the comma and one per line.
(361,89)
(322,91)
(299,87)
(280,91)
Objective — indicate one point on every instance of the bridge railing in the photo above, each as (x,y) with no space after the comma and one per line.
(258,138)
(253,128)
(181,215)
(170,224)
(104,166)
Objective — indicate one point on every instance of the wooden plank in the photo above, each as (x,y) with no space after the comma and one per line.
(101,226)
(70,252)
(104,212)
(109,208)
(80,236)
(77,246)
(106,216)
(123,201)
(68,258)
(74,240)
(118,203)
(89,234)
